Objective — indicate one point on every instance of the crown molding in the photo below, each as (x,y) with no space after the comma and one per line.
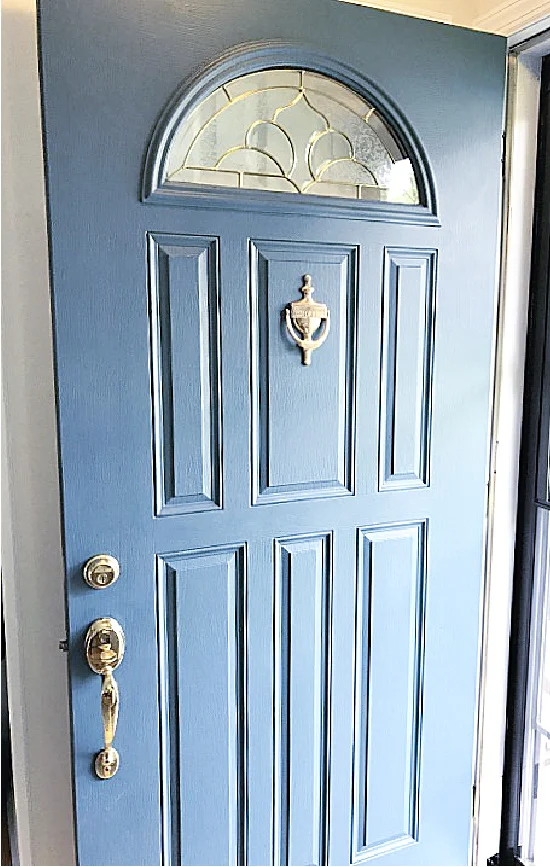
(503,19)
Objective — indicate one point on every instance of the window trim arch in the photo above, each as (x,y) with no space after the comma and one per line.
(274,55)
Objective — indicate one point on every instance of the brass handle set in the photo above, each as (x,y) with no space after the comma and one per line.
(104,646)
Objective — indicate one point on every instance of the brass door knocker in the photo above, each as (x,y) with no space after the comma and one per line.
(306,317)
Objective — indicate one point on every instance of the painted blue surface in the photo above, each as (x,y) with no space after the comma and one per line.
(407,348)
(320,459)
(202,637)
(303,625)
(391,589)
(301,548)
(184,300)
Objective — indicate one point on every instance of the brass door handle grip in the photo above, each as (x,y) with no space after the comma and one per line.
(109,707)
(104,651)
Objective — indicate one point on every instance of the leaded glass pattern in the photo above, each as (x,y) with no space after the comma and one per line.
(294,131)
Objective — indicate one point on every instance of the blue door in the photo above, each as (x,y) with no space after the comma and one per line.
(273,241)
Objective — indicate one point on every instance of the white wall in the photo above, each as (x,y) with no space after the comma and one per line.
(32,569)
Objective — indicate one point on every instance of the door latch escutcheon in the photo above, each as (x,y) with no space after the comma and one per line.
(104,646)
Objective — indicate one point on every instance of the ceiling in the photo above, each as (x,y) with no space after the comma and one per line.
(505,18)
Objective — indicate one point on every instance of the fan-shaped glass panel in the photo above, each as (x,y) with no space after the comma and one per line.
(289,130)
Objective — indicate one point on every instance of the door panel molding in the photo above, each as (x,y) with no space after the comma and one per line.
(302,627)
(407,363)
(185,363)
(202,597)
(322,397)
(390,604)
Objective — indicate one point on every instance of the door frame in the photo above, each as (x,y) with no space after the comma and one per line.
(31,530)
(522,114)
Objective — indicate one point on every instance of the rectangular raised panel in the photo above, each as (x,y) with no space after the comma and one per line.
(302,699)
(388,687)
(303,417)
(202,652)
(186,377)
(405,412)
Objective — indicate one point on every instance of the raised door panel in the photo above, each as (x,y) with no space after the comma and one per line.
(202,652)
(303,416)
(303,573)
(183,280)
(391,591)
(408,325)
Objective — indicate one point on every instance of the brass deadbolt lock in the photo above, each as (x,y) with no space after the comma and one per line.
(101,571)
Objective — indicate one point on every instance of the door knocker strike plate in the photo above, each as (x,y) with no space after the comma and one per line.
(303,320)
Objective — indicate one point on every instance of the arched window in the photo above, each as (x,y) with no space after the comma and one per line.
(257,121)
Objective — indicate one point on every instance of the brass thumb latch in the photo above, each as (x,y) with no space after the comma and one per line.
(104,651)
(303,320)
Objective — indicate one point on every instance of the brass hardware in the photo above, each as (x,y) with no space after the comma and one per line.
(104,651)
(307,316)
(101,571)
